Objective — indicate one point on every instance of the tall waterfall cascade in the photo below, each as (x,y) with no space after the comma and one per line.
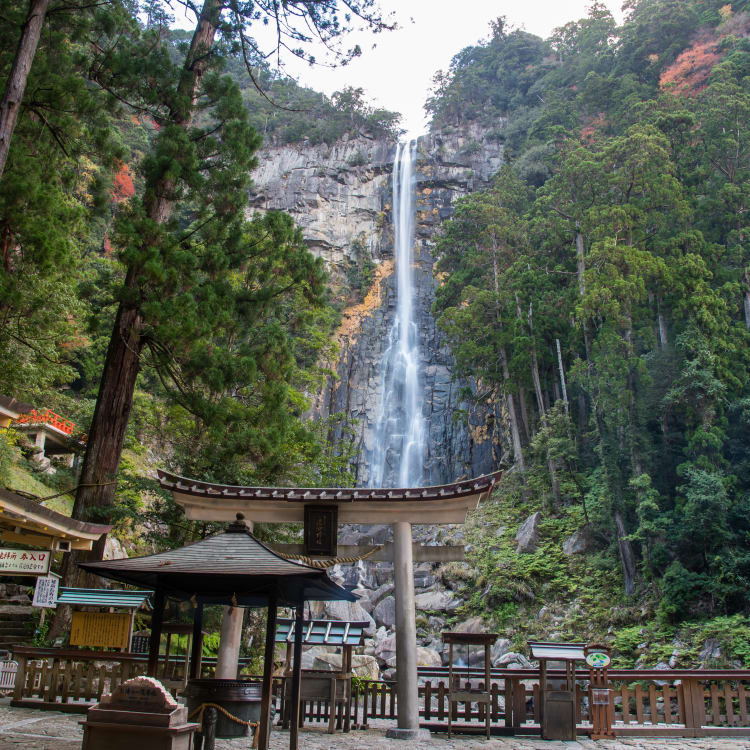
(400,436)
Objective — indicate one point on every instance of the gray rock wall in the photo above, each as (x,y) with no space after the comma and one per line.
(341,197)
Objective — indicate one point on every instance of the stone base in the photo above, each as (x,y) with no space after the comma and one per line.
(408,734)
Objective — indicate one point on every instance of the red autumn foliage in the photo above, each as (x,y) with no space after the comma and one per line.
(122,184)
(688,74)
(107,245)
(588,131)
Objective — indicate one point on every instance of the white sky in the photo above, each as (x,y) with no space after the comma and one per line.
(398,73)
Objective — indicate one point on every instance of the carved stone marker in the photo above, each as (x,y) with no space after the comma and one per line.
(139,712)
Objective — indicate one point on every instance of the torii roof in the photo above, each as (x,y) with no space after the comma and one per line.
(229,567)
(448,503)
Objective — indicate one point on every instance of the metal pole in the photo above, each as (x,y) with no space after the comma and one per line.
(264,729)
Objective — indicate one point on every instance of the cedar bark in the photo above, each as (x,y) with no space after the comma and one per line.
(514,431)
(122,365)
(10,105)
(747,300)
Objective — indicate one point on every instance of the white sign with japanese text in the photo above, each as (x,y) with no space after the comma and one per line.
(24,562)
(45,593)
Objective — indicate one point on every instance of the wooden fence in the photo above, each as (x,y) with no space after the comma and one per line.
(681,703)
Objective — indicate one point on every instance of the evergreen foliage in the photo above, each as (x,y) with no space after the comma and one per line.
(618,230)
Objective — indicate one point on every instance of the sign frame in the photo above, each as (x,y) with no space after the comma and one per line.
(25,562)
(321,530)
(45,596)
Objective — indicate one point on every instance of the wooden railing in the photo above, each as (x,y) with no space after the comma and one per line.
(47,417)
(73,679)
(682,703)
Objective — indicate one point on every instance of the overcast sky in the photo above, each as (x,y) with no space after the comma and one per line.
(398,73)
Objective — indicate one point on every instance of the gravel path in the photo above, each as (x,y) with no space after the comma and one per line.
(50,730)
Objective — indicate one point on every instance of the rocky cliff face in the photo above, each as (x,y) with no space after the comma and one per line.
(341,197)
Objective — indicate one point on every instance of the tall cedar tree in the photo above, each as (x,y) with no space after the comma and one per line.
(202,157)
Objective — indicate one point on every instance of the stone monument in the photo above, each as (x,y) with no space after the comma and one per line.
(140,712)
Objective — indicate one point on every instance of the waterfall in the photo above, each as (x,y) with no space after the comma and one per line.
(399,449)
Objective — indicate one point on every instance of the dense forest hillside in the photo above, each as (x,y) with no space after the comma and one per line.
(601,288)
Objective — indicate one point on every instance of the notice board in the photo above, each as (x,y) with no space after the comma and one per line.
(100,629)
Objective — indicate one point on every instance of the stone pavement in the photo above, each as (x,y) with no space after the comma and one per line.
(50,730)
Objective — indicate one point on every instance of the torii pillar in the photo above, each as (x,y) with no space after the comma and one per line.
(406,638)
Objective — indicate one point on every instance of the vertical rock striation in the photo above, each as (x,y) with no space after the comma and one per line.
(341,197)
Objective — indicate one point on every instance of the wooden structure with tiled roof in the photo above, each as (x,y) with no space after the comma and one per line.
(24,520)
(229,568)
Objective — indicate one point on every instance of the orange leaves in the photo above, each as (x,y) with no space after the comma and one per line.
(688,74)
(122,184)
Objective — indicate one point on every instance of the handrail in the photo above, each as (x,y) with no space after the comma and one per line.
(583,674)
(47,417)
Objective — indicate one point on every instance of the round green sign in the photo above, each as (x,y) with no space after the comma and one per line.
(598,660)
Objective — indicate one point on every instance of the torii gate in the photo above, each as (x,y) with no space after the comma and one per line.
(445,504)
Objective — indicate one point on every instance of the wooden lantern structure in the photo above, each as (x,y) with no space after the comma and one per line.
(557,696)
(229,568)
(324,685)
(456,693)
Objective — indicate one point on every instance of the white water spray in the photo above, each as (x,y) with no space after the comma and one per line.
(398,453)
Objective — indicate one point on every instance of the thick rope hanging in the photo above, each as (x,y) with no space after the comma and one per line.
(200,710)
(315,563)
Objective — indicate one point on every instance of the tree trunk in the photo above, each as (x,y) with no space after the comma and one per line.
(115,397)
(525,423)
(581,264)
(747,300)
(96,489)
(515,433)
(10,105)
(629,570)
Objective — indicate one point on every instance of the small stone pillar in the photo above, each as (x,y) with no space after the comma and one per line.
(406,638)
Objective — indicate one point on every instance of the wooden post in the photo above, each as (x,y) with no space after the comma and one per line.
(264,728)
(157,617)
(196,654)
(296,676)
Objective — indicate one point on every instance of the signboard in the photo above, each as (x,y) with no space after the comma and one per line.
(598,659)
(321,530)
(24,562)
(100,630)
(45,593)
(600,696)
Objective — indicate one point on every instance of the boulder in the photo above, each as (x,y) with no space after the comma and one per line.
(380,593)
(437,601)
(578,543)
(428,657)
(311,654)
(385,612)
(362,665)
(113,549)
(499,648)
(350,611)
(472,625)
(527,537)
(385,647)
(512,660)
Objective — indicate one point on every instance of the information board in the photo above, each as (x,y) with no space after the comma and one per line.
(24,562)
(100,629)
(45,593)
